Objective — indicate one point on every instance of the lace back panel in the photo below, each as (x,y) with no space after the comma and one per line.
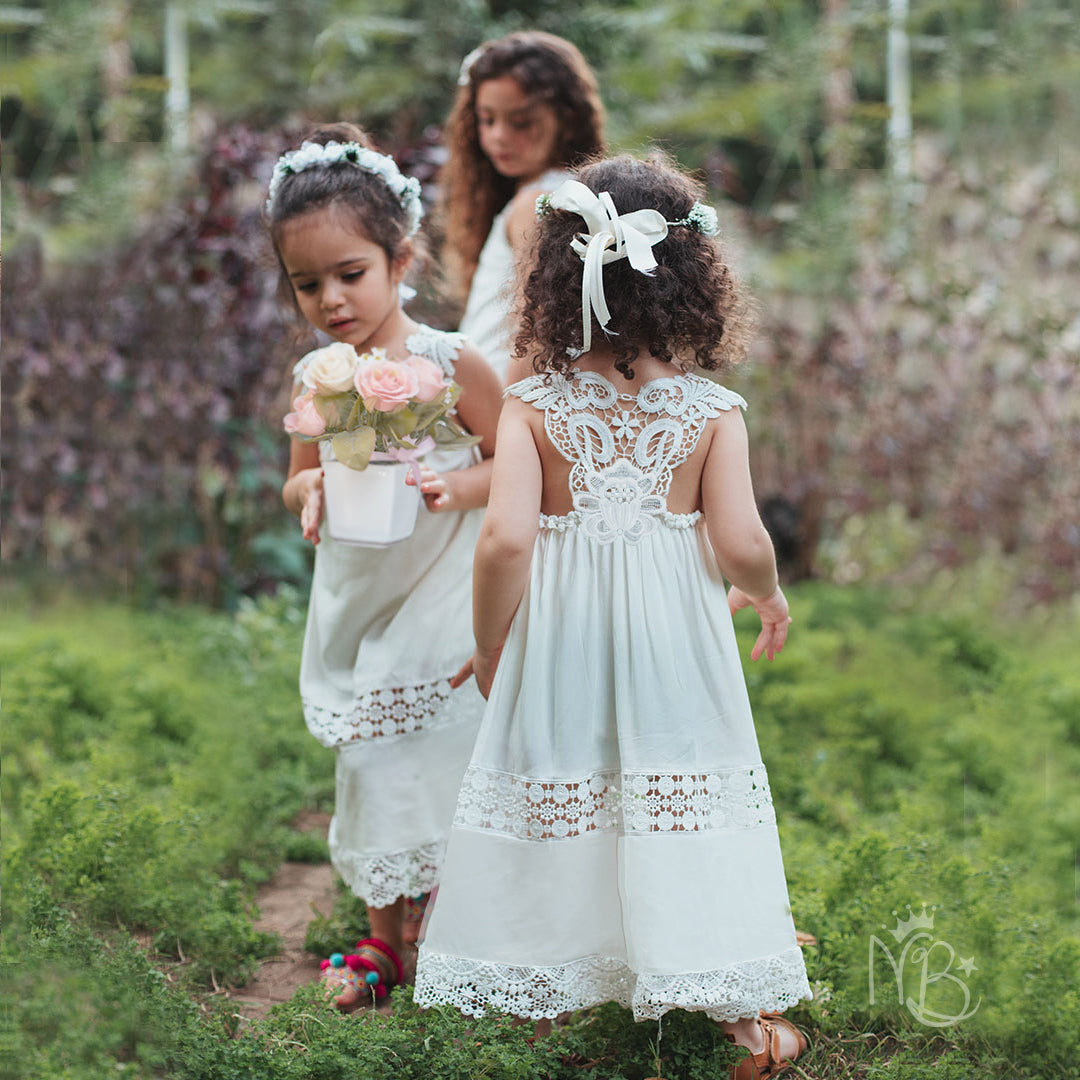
(623,447)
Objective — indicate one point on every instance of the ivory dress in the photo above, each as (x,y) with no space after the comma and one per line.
(615,838)
(386,628)
(487,312)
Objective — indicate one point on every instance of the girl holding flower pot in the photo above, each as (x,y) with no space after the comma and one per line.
(387,626)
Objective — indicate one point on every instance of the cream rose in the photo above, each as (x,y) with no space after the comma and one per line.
(385,385)
(432,382)
(330,370)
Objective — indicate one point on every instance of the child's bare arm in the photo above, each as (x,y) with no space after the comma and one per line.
(521,219)
(504,550)
(739,539)
(302,492)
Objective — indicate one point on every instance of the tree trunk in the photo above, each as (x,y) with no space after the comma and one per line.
(117,69)
(839,85)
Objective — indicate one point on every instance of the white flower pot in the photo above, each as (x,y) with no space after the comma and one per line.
(373,507)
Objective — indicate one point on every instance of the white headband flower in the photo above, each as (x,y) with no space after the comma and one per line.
(312,155)
(465,74)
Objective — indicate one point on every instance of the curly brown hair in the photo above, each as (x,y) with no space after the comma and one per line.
(688,312)
(374,210)
(551,70)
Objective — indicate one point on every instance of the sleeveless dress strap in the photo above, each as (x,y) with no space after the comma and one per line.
(439,346)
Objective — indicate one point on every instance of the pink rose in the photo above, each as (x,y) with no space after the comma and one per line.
(305,418)
(385,385)
(430,377)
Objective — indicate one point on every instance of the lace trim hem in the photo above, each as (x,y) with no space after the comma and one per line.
(573,520)
(390,713)
(380,879)
(475,987)
(533,808)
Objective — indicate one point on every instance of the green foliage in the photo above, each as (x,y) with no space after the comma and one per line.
(154,762)
(336,932)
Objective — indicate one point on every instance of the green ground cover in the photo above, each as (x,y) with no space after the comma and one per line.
(154,763)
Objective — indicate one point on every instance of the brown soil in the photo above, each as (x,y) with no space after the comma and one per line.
(287,904)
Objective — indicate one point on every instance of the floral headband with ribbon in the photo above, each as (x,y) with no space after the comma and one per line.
(612,236)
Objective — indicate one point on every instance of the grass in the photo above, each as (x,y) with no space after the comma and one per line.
(154,762)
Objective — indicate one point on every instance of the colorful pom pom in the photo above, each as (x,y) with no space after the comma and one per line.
(337,960)
(371,978)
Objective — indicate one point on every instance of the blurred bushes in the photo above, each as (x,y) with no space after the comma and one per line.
(918,407)
(909,411)
(144,390)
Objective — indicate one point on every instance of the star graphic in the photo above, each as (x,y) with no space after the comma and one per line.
(967,966)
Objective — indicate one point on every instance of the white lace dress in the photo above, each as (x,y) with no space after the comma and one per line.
(386,628)
(615,836)
(486,322)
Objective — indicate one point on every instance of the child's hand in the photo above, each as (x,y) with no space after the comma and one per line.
(309,483)
(773,611)
(438,490)
(483,666)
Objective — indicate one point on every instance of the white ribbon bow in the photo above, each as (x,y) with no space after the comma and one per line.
(610,236)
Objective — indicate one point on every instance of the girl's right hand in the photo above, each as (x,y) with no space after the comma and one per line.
(309,483)
(483,666)
(775,620)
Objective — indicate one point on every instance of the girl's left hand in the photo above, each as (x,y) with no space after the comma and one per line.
(438,491)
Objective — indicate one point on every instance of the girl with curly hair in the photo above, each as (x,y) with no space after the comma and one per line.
(527,109)
(617,773)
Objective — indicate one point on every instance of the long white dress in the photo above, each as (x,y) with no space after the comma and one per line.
(386,628)
(486,322)
(615,836)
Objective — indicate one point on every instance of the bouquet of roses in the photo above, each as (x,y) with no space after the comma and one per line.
(372,408)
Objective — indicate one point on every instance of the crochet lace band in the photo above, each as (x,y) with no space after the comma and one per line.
(391,712)
(380,878)
(770,983)
(637,802)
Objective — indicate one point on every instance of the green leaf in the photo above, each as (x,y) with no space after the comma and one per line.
(401,423)
(450,435)
(353,448)
(332,407)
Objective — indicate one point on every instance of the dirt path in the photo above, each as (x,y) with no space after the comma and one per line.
(286,904)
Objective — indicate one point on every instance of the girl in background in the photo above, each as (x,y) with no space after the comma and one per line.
(386,627)
(527,110)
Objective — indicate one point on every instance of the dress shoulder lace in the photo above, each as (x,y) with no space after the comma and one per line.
(439,346)
(623,447)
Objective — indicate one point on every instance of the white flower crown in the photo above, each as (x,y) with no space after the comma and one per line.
(465,73)
(313,155)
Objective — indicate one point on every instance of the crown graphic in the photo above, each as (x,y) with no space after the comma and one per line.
(903,927)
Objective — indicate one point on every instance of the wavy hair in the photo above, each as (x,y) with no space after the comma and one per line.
(551,70)
(688,312)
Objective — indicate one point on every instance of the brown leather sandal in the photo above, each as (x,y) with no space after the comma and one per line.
(768,1063)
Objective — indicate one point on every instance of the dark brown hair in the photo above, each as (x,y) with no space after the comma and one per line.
(366,200)
(549,69)
(687,312)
